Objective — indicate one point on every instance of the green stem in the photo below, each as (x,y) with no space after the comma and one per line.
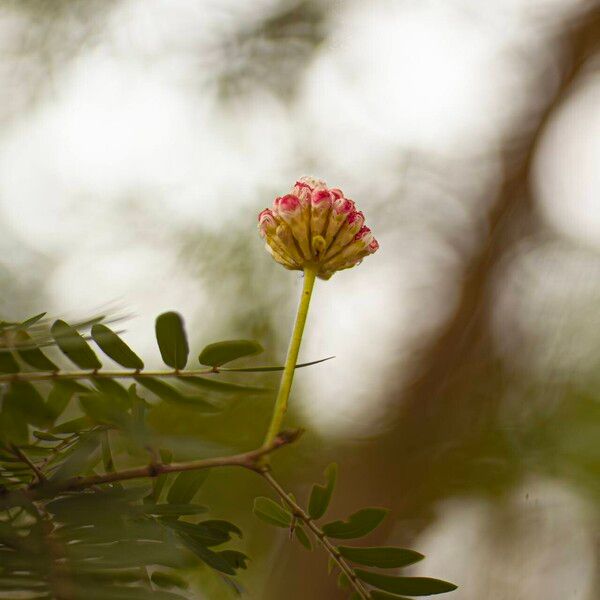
(287,377)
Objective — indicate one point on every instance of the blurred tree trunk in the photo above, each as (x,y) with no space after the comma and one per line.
(446,436)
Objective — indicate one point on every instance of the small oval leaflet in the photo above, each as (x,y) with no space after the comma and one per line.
(31,354)
(358,524)
(269,511)
(412,586)
(172,340)
(383,557)
(114,347)
(302,537)
(72,344)
(186,484)
(220,353)
(321,494)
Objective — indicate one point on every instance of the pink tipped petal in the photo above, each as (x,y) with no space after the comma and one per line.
(287,205)
(346,234)
(267,222)
(373,246)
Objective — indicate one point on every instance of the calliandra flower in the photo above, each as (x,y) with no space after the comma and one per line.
(316,227)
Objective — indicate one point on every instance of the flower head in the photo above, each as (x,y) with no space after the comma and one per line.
(316,226)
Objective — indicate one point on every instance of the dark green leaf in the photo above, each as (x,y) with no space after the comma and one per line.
(358,524)
(165,580)
(302,537)
(32,355)
(321,494)
(24,397)
(13,428)
(384,557)
(271,512)
(82,457)
(72,344)
(269,369)
(224,387)
(172,340)
(236,559)
(8,364)
(208,533)
(47,437)
(185,486)
(219,353)
(32,320)
(113,389)
(172,510)
(168,393)
(411,586)
(102,409)
(73,426)
(212,559)
(343,581)
(114,347)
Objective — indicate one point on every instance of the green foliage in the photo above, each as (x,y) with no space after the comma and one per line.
(344,558)
(321,495)
(172,340)
(79,516)
(220,353)
(271,512)
(412,586)
(384,558)
(358,524)
(114,347)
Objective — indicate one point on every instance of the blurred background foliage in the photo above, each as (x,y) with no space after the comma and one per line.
(138,140)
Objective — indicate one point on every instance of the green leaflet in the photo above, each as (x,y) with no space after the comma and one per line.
(302,537)
(72,344)
(8,364)
(114,347)
(220,353)
(321,495)
(271,369)
(382,557)
(23,397)
(411,586)
(269,511)
(358,524)
(170,394)
(32,355)
(172,340)
(165,580)
(186,485)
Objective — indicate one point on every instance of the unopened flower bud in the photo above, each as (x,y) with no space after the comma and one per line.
(316,227)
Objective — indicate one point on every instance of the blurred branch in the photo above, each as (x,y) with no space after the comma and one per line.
(247,460)
(439,426)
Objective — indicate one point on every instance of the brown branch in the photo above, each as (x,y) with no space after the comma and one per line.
(300,513)
(40,477)
(247,460)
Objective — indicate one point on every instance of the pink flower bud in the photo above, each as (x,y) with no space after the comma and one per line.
(267,222)
(316,226)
